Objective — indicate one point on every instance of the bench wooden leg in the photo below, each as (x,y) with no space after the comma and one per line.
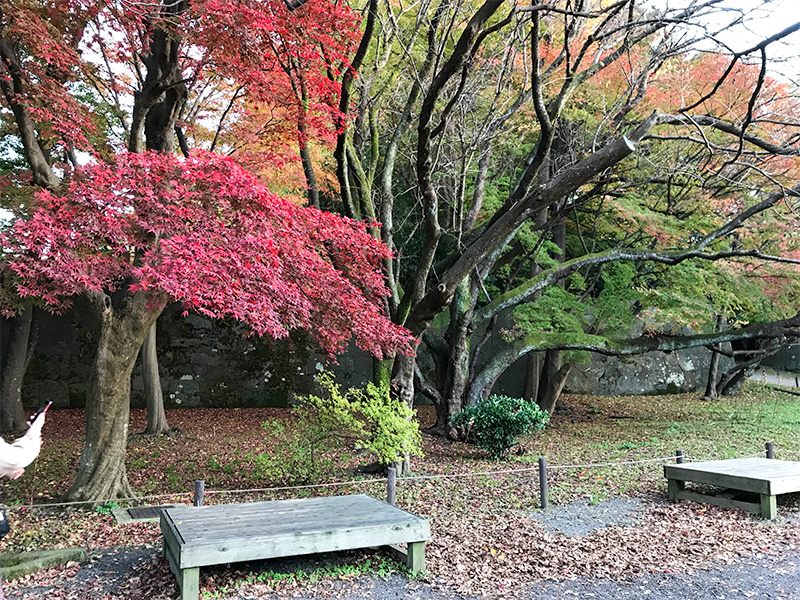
(415,560)
(674,487)
(189,582)
(769,506)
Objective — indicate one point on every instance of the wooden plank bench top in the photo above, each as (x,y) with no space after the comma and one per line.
(201,536)
(763,476)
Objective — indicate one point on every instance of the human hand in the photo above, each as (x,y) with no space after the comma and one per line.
(35,418)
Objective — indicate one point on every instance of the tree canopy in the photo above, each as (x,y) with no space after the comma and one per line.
(205,232)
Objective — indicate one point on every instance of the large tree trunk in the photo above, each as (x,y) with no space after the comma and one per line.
(158,105)
(554,377)
(101,471)
(533,373)
(15,345)
(403,387)
(713,374)
(712,391)
(156,416)
(458,358)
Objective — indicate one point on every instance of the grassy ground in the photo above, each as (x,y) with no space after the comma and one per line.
(481,534)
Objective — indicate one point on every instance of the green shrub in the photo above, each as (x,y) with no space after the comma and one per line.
(297,457)
(332,424)
(495,424)
(369,418)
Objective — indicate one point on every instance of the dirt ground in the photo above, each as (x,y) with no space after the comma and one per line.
(133,573)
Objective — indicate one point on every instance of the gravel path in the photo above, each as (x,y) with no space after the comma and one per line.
(582,517)
(134,573)
(759,578)
(763,578)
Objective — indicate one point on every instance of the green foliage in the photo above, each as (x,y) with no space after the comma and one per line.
(495,423)
(693,293)
(369,419)
(382,568)
(613,307)
(302,457)
(379,424)
(105,509)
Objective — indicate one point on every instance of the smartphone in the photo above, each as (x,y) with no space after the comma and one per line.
(40,411)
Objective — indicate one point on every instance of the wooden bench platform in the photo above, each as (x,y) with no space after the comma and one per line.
(201,536)
(766,478)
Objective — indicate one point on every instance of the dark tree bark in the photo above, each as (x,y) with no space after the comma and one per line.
(553,383)
(16,344)
(101,471)
(157,108)
(533,373)
(458,340)
(713,368)
(731,381)
(713,373)
(156,415)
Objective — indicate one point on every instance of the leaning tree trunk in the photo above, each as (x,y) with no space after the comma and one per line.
(731,381)
(101,471)
(730,386)
(554,377)
(15,355)
(156,415)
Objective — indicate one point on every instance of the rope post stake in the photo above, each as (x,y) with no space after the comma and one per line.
(199,492)
(679,456)
(543,482)
(391,486)
(770,450)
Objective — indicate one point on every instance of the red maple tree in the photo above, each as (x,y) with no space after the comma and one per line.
(136,229)
(205,232)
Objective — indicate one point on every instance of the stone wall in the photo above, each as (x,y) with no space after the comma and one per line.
(208,363)
(202,362)
(651,373)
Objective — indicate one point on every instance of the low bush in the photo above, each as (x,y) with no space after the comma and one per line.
(335,422)
(495,424)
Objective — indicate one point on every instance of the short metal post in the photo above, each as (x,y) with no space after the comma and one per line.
(770,450)
(391,486)
(679,456)
(199,492)
(543,482)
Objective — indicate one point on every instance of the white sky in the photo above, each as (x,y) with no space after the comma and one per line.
(761,19)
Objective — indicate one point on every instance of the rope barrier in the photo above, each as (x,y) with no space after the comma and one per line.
(438,476)
(298,487)
(207,492)
(611,464)
(344,483)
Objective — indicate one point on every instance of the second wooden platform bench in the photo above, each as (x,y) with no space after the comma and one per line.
(762,478)
(202,536)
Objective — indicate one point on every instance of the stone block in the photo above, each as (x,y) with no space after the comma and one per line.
(18,564)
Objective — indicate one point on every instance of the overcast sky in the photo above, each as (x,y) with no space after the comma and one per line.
(762,19)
